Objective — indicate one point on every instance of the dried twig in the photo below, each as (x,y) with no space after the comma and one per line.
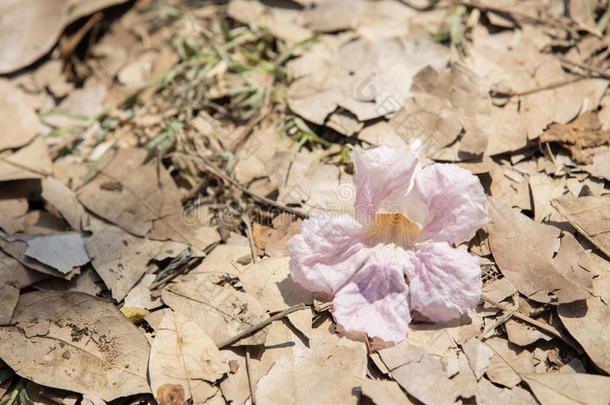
(261,325)
(218,173)
(546,328)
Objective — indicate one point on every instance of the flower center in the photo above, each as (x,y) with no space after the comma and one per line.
(392,227)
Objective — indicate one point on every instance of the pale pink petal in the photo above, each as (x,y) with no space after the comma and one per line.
(443,282)
(376,299)
(326,252)
(448,201)
(379,172)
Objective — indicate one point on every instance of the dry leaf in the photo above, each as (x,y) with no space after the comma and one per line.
(560,388)
(523,334)
(326,374)
(184,357)
(478,355)
(76,342)
(270,283)
(590,216)
(532,271)
(30,28)
(509,363)
(369,78)
(19,119)
(589,322)
(425,380)
(118,257)
(63,252)
(64,200)
(9,296)
(12,272)
(16,248)
(222,312)
(382,392)
(490,394)
(128,193)
(29,162)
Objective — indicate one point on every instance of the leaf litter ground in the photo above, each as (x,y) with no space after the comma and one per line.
(157,156)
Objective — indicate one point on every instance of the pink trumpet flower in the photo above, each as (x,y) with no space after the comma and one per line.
(396,255)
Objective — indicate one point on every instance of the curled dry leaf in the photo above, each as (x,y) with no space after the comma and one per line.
(532,271)
(183,357)
(76,342)
(222,312)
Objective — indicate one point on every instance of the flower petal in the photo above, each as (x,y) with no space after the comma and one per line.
(376,299)
(379,172)
(326,252)
(448,201)
(443,282)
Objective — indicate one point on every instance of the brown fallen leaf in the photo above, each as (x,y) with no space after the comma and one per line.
(490,394)
(369,78)
(182,355)
(222,312)
(61,251)
(600,167)
(286,23)
(532,271)
(77,342)
(129,194)
(136,197)
(590,216)
(561,388)
(509,363)
(120,258)
(20,121)
(30,28)
(382,392)
(24,47)
(589,322)
(580,136)
(426,380)
(12,272)
(88,282)
(523,334)
(65,201)
(30,162)
(16,248)
(270,283)
(478,355)
(325,374)
(9,296)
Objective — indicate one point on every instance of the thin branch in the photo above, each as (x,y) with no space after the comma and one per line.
(261,325)
(546,328)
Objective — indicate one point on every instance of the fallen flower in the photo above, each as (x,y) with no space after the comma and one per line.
(395,256)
